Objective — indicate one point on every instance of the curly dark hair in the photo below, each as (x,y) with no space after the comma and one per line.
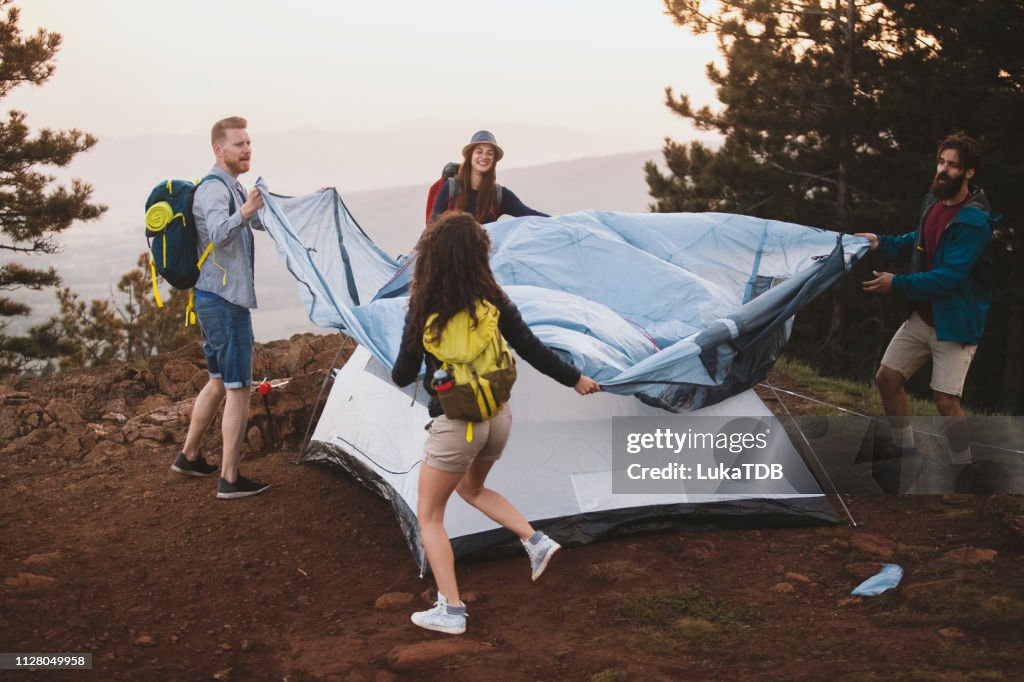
(452,273)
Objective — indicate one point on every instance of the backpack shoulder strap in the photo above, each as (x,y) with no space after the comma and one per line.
(453,191)
(231,195)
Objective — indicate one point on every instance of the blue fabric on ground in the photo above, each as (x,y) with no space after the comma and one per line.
(887,578)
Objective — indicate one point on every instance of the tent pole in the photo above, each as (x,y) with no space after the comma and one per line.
(312,414)
(817,461)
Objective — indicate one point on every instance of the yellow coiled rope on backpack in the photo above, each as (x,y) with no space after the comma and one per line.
(160,215)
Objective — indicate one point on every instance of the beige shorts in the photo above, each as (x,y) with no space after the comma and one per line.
(915,342)
(446,447)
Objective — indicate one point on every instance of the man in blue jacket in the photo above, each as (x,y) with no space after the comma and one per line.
(949,254)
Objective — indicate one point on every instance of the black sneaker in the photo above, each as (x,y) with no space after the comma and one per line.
(242,487)
(198,467)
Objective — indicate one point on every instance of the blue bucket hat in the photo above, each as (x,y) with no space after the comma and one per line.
(483,137)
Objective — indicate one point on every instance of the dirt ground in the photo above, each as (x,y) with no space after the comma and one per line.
(159,580)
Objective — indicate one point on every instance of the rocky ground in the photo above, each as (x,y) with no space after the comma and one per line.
(108,552)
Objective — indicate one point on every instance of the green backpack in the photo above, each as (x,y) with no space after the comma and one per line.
(173,238)
(478,360)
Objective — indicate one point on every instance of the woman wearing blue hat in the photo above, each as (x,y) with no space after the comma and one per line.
(474,189)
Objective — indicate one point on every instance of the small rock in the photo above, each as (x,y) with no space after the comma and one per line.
(849,600)
(783,588)
(970,555)
(43,559)
(413,656)
(97,430)
(223,675)
(225,647)
(952,633)
(149,494)
(254,437)
(104,452)
(168,418)
(863,569)
(29,581)
(145,640)
(699,550)
(471,597)
(393,601)
(117,405)
(116,417)
(797,577)
(154,402)
(872,544)
(62,412)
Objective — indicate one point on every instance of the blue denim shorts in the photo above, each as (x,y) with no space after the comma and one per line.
(227,339)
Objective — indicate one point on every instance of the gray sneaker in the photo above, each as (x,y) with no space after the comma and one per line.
(540,548)
(196,467)
(443,617)
(242,487)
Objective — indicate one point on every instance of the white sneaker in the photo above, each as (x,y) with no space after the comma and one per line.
(443,617)
(540,552)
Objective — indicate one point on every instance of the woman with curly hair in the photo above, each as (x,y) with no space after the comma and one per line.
(475,189)
(453,276)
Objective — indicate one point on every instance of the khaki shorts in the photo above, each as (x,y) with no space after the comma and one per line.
(446,447)
(915,342)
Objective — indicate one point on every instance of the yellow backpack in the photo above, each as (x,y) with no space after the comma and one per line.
(481,368)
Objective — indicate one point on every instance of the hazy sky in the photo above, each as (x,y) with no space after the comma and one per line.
(599,66)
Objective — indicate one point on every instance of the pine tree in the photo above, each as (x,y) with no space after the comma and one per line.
(148,328)
(800,98)
(831,111)
(131,328)
(32,210)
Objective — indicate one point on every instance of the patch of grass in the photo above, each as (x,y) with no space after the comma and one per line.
(661,608)
(954,656)
(965,604)
(1008,511)
(861,396)
(573,605)
(609,675)
(916,552)
(670,621)
(617,571)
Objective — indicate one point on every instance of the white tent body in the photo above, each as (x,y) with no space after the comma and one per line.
(557,467)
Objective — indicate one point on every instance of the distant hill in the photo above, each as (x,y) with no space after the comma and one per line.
(122,172)
(394,217)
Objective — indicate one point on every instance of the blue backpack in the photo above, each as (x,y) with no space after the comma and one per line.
(173,237)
